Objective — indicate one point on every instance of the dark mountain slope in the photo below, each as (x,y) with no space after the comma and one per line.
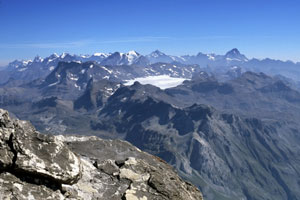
(96,94)
(251,94)
(227,156)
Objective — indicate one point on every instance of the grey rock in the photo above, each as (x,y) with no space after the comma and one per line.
(37,166)
(7,155)
(14,188)
(138,175)
(27,151)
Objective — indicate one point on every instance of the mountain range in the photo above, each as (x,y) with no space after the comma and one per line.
(28,70)
(227,156)
(229,128)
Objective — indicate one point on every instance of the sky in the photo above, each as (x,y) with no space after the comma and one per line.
(258,28)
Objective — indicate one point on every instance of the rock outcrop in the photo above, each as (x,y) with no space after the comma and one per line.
(37,166)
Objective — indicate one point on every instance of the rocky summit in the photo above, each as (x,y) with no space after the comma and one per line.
(37,166)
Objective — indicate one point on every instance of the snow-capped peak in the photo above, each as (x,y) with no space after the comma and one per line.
(133,53)
(26,62)
(131,56)
(55,55)
(38,59)
(100,54)
(63,55)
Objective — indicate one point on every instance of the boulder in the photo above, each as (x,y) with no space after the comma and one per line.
(38,166)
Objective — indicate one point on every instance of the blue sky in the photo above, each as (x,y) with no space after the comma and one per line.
(258,28)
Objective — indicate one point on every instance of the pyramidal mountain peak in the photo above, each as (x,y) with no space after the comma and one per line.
(235,54)
(157,53)
(234,51)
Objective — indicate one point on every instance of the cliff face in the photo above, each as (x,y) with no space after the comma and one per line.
(37,166)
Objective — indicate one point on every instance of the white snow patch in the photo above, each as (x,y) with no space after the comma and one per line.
(55,55)
(74,78)
(26,62)
(182,58)
(232,59)
(79,88)
(210,57)
(109,89)
(23,69)
(161,81)
(51,68)
(173,58)
(63,55)
(52,84)
(109,71)
(133,53)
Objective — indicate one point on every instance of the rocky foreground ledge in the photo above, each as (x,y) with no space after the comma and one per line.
(37,166)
